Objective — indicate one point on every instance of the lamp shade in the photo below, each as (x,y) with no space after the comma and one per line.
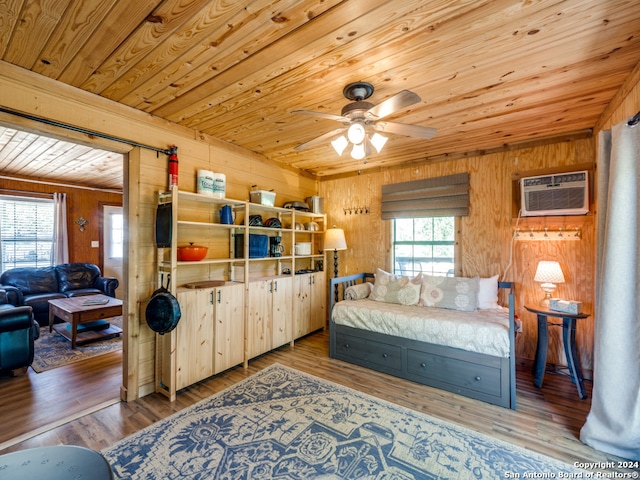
(356,133)
(549,272)
(334,239)
(339,144)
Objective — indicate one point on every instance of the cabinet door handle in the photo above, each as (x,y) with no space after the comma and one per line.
(346,345)
(276,285)
(211,297)
(478,378)
(309,280)
(313,279)
(385,355)
(423,365)
(219,296)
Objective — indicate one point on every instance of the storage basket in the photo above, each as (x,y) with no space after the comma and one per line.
(258,246)
(263,197)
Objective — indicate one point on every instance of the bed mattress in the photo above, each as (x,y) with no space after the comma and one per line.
(482,331)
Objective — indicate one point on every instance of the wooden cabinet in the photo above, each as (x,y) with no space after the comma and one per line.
(194,337)
(229,327)
(210,334)
(270,315)
(254,311)
(309,302)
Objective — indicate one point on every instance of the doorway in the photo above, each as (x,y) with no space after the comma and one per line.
(113,244)
(99,380)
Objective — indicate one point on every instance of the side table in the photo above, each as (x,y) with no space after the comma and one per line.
(569,339)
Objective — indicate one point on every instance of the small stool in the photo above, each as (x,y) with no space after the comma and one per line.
(569,339)
(60,462)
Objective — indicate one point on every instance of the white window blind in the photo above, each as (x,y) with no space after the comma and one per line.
(26,232)
(446,196)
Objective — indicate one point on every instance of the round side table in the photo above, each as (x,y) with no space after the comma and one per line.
(59,462)
(568,338)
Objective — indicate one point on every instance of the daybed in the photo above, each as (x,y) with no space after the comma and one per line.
(471,353)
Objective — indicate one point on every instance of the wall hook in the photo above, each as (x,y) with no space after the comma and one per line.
(548,233)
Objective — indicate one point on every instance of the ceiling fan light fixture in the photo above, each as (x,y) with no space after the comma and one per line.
(362,120)
(378,141)
(339,144)
(358,152)
(356,133)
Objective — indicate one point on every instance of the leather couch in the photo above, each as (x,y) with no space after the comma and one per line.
(18,331)
(34,287)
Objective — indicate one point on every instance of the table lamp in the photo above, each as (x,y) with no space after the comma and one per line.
(548,274)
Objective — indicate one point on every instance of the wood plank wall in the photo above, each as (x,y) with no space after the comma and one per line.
(485,235)
(81,202)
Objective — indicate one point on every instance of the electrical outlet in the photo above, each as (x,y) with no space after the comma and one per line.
(95,244)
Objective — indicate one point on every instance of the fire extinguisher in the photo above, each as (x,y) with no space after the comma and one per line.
(173,167)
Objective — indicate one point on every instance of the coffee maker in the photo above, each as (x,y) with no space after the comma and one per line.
(275,246)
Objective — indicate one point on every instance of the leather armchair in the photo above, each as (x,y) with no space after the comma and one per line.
(18,331)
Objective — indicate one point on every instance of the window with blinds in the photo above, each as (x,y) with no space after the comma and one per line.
(424,215)
(26,232)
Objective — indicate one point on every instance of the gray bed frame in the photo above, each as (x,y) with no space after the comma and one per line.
(482,377)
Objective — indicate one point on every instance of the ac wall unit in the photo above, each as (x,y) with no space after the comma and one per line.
(561,194)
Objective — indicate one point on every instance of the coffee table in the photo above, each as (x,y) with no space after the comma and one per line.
(84,309)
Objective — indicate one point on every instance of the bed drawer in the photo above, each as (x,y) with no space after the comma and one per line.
(461,373)
(370,352)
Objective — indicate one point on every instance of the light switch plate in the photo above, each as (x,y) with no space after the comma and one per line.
(95,244)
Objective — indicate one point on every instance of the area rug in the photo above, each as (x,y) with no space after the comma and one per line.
(52,350)
(285,424)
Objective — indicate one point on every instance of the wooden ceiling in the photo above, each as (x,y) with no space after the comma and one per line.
(489,72)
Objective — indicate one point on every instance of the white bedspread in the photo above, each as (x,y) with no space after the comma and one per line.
(483,331)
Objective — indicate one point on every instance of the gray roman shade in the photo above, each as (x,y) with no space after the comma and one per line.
(432,197)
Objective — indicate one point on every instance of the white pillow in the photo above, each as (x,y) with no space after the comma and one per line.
(488,293)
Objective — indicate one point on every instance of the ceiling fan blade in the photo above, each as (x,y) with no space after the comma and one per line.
(328,116)
(391,105)
(404,129)
(320,139)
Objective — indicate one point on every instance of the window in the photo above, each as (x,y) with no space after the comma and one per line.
(117,235)
(424,245)
(26,232)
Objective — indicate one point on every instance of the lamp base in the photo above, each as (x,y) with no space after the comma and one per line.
(548,289)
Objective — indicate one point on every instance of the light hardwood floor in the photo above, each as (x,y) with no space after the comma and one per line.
(547,421)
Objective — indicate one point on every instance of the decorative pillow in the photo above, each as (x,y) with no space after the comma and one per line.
(455,293)
(391,288)
(488,293)
(358,292)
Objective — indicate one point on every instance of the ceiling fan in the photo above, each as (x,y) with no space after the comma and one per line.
(363,123)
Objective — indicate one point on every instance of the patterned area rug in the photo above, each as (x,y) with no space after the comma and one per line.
(284,424)
(52,350)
